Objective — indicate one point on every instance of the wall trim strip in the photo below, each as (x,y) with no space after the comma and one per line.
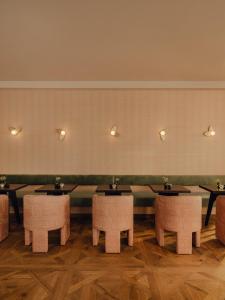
(113,84)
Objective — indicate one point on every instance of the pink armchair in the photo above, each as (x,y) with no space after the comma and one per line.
(112,214)
(42,214)
(180,214)
(220,221)
(4,217)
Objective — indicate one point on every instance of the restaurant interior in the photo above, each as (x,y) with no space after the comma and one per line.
(112,165)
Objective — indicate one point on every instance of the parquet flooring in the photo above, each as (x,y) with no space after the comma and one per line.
(80,271)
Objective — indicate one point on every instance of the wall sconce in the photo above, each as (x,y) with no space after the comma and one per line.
(113,131)
(162,135)
(61,133)
(209,132)
(15,131)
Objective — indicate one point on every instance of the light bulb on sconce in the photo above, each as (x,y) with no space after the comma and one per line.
(209,132)
(61,134)
(113,131)
(15,131)
(162,134)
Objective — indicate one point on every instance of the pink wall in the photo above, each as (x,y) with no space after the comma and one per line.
(88,116)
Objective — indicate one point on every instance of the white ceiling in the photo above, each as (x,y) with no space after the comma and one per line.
(79,40)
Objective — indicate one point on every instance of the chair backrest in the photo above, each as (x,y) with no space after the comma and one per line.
(45,212)
(4,209)
(112,212)
(176,212)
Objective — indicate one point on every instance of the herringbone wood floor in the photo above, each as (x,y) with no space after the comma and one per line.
(80,271)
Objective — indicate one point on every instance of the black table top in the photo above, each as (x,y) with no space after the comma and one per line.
(48,188)
(13,187)
(213,189)
(105,188)
(175,189)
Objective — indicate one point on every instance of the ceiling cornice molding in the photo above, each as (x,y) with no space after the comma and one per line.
(113,84)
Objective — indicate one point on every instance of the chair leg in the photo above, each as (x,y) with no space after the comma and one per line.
(112,241)
(160,236)
(184,242)
(64,234)
(130,237)
(40,241)
(28,237)
(95,236)
(197,238)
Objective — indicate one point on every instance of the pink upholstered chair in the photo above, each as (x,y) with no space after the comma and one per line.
(220,218)
(42,214)
(4,217)
(180,214)
(112,214)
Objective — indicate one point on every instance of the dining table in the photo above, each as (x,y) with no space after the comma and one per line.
(110,191)
(10,190)
(214,193)
(174,189)
(51,189)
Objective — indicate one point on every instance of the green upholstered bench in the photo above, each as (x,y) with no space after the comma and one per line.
(82,195)
(143,196)
(124,179)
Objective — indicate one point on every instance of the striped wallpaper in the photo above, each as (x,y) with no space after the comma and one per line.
(88,115)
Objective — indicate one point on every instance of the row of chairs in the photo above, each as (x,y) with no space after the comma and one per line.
(112,214)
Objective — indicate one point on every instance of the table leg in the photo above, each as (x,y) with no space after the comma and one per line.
(13,199)
(212,199)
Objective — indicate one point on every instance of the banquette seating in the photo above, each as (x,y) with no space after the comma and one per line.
(81,197)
